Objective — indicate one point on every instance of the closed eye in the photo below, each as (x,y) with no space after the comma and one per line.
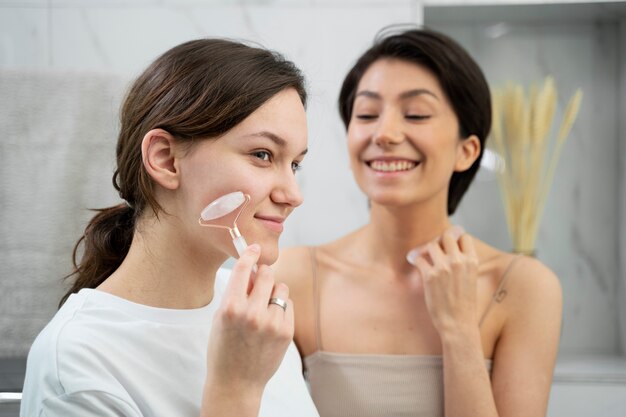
(417,116)
(366,116)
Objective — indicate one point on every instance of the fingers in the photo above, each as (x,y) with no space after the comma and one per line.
(240,277)
(448,243)
(434,251)
(423,267)
(262,289)
(456,232)
(466,244)
(260,292)
(283,318)
(280,293)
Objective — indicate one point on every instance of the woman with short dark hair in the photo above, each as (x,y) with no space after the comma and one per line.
(408,315)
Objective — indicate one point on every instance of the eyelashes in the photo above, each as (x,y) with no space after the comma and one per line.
(413,117)
(267,157)
(263,155)
(296,166)
(417,116)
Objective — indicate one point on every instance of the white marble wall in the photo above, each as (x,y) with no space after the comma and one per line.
(580,237)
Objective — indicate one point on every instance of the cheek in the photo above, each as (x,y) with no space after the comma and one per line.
(357,141)
(258,187)
(439,142)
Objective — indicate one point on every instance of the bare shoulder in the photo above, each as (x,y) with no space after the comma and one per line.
(529,282)
(533,282)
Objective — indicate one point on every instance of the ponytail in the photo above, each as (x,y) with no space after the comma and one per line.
(106,242)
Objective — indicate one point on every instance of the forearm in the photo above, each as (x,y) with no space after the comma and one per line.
(222,401)
(467,385)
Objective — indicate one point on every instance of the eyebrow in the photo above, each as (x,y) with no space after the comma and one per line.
(407,94)
(276,139)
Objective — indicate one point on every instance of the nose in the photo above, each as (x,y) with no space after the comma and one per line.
(288,191)
(388,132)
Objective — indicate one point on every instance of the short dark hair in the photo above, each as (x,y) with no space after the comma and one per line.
(460,77)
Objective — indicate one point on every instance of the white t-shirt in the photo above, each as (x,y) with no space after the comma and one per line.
(102,355)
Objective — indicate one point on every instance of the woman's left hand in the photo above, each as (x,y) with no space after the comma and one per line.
(449,270)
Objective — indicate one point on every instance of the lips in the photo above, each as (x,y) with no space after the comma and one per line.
(391,165)
(274,223)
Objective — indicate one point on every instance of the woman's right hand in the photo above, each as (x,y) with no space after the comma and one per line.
(249,338)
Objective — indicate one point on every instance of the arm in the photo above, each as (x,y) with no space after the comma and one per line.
(526,351)
(524,357)
(248,340)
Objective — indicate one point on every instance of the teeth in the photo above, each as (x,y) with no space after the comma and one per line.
(392,166)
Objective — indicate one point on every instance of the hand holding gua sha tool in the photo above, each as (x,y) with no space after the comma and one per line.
(221,207)
(455,231)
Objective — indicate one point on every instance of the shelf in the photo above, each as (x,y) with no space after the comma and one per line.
(535,13)
(593,369)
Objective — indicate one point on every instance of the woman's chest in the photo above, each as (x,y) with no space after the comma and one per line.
(389,316)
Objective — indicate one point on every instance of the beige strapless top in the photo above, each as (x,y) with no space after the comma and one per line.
(373,385)
(347,385)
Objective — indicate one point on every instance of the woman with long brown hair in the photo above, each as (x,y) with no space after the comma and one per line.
(152,326)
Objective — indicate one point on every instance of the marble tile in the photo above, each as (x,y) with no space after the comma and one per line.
(115,39)
(366,3)
(23,3)
(83,4)
(23,33)
(226,3)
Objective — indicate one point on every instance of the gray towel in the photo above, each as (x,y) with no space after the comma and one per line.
(57,154)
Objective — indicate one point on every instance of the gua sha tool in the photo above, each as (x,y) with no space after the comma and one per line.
(221,207)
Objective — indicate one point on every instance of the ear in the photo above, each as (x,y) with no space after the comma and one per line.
(467,152)
(159,158)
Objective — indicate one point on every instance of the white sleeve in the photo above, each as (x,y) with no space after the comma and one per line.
(88,404)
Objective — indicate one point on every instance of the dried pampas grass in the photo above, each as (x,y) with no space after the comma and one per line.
(521,135)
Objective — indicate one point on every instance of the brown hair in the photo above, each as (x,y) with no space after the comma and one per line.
(195,91)
(460,77)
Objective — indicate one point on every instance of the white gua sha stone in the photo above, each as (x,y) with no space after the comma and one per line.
(221,207)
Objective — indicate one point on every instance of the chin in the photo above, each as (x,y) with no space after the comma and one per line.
(388,198)
(268,257)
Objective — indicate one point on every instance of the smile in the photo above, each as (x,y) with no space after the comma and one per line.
(392,165)
(275,224)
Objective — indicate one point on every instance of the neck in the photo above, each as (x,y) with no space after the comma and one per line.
(396,230)
(162,269)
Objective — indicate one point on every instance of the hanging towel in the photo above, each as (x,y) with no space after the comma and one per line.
(57,155)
